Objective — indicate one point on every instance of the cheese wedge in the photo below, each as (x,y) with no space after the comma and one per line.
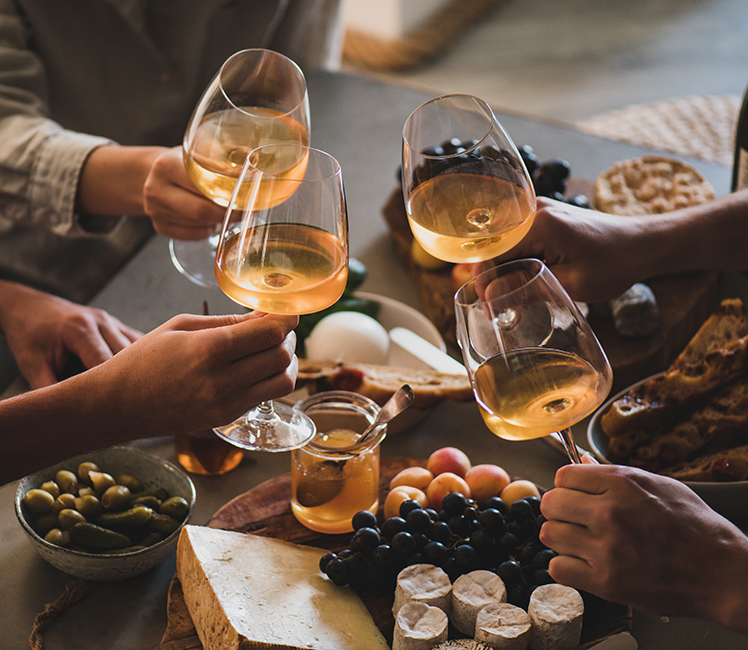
(556,618)
(245,592)
(470,593)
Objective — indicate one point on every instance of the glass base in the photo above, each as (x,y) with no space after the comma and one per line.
(282,429)
(196,260)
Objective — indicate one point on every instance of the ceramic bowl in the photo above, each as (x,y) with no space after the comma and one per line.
(152,471)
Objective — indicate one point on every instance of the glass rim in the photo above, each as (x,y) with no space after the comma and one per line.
(536,265)
(481,103)
(335,172)
(256,50)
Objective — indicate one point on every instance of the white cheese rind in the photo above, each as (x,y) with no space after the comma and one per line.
(470,593)
(244,591)
(556,616)
(503,626)
(423,583)
(419,627)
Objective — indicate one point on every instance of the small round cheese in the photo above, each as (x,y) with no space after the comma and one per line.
(423,583)
(348,337)
(419,627)
(556,617)
(503,626)
(471,592)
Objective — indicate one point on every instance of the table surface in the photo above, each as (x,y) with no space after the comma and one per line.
(359,121)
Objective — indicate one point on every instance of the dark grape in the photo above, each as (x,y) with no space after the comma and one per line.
(470,513)
(493,522)
(403,543)
(465,556)
(510,572)
(452,146)
(433,514)
(364,519)
(508,542)
(521,510)
(529,158)
(418,521)
(542,577)
(496,503)
(392,526)
(357,567)
(365,540)
(482,541)
(324,560)
(545,185)
(408,506)
(439,531)
(454,503)
(534,504)
(435,553)
(338,571)
(459,525)
(557,168)
(543,558)
(384,556)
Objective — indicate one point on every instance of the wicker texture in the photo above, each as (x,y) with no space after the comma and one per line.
(701,127)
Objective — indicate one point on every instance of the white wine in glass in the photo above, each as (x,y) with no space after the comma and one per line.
(536,366)
(283,249)
(258,97)
(467,192)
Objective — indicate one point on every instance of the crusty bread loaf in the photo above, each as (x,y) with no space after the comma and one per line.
(722,466)
(380,382)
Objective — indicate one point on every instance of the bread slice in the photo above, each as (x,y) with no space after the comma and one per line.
(726,465)
(245,591)
(378,383)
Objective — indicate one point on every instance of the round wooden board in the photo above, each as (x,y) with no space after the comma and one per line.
(266,510)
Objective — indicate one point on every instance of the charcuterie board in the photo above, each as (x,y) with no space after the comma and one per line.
(265,510)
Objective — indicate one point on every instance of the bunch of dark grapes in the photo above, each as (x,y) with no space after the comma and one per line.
(460,538)
(549,177)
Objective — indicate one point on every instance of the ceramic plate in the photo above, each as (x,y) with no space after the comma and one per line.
(729,499)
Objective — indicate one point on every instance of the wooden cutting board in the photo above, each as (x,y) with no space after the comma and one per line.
(265,510)
(684,300)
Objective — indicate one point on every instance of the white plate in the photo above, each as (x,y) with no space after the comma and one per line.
(729,499)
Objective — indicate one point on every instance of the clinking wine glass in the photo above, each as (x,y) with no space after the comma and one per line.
(535,364)
(468,194)
(257,97)
(283,249)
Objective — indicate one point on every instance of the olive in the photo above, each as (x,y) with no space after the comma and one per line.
(67,481)
(85,468)
(89,506)
(39,501)
(51,487)
(65,500)
(45,523)
(133,484)
(69,517)
(115,497)
(101,481)
(86,491)
(58,537)
(176,507)
(148,500)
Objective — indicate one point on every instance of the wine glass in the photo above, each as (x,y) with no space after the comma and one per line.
(534,362)
(283,249)
(468,194)
(258,97)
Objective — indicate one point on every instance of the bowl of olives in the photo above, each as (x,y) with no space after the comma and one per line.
(106,515)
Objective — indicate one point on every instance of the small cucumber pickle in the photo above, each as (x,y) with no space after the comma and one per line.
(89,510)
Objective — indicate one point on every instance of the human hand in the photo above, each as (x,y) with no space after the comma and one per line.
(199,372)
(43,330)
(595,256)
(176,207)
(644,540)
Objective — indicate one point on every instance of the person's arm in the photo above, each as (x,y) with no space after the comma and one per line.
(43,330)
(598,256)
(192,373)
(646,541)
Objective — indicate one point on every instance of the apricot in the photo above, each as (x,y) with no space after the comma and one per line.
(486,481)
(442,485)
(517,490)
(418,477)
(448,459)
(402,493)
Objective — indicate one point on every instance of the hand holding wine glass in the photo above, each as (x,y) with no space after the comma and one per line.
(258,97)
(535,364)
(283,249)
(468,195)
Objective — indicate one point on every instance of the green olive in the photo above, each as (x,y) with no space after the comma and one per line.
(86,491)
(89,506)
(58,537)
(101,481)
(67,481)
(164,524)
(38,501)
(68,518)
(133,484)
(116,497)
(148,500)
(51,487)
(45,523)
(65,500)
(85,468)
(176,507)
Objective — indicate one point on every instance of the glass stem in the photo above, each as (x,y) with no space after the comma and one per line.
(570,446)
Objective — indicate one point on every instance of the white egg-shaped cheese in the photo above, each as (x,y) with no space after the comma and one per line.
(470,593)
(556,617)
(419,627)
(348,337)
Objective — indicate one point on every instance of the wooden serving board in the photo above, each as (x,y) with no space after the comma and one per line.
(684,300)
(266,510)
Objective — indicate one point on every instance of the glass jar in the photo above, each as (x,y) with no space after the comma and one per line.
(336,474)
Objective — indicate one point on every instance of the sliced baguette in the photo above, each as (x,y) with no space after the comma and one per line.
(726,465)
(380,382)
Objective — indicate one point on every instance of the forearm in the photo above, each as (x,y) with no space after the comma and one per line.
(112,180)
